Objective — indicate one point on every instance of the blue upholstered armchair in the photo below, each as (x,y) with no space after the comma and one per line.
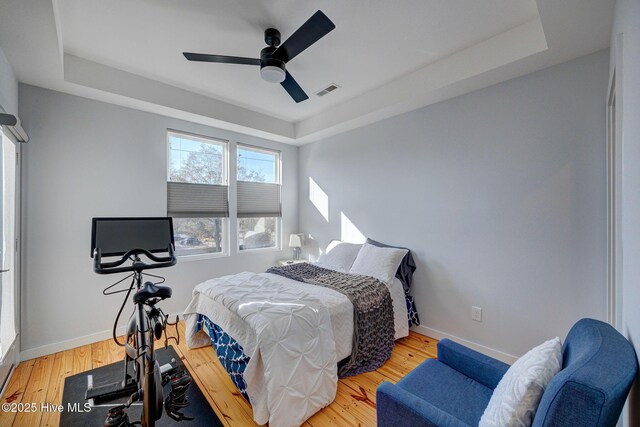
(599,366)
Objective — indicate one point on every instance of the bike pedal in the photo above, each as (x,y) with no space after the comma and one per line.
(117,417)
(180,380)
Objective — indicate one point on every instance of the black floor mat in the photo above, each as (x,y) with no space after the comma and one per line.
(76,386)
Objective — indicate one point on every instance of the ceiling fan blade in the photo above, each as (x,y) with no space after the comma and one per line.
(221,58)
(310,32)
(293,88)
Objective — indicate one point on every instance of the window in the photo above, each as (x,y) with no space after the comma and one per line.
(259,211)
(258,165)
(258,233)
(194,236)
(197,193)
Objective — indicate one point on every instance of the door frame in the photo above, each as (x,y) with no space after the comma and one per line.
(614,242)
(12,357)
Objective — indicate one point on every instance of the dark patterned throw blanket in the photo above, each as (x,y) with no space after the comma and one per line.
(373,330)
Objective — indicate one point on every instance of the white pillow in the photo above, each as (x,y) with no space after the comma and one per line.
(381,263)
(339,256)
(515,400)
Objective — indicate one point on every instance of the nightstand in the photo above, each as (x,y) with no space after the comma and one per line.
(284,262)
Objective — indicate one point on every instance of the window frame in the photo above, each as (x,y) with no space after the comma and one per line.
(278,172)
(226,221)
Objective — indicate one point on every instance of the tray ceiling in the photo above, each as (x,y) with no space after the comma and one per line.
(387,57)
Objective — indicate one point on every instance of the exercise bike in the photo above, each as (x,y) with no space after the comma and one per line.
(130,239)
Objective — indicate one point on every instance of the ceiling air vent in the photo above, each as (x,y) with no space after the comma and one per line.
(327,89)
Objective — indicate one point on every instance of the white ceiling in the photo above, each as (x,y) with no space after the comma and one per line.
(374,42)
(388,57)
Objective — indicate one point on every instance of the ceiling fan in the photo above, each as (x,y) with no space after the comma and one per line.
(273,59)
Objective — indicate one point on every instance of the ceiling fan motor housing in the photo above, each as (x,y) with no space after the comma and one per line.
(272,37)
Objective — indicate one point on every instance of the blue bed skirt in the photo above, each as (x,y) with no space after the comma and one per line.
(231,354)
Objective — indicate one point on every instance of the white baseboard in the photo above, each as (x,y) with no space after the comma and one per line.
(47,349)
(6,382)
(496,354)
(44,350)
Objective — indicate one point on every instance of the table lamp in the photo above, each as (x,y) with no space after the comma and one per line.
(295,242)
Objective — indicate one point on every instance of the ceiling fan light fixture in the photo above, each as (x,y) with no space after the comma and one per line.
(276,55)
(272,74)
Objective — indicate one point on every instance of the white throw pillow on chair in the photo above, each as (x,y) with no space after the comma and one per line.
(515,400)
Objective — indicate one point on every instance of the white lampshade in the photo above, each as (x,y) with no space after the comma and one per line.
(295,241)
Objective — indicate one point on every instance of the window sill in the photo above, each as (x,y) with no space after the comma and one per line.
(259,250)
(200,257)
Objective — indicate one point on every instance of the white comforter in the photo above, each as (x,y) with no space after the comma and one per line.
(294,334)
(287,333)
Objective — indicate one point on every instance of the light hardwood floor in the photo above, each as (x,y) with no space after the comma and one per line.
(41,380)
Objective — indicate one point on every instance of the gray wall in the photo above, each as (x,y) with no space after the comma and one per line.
(500,194)
(87,158)
(625,57)
(8,86)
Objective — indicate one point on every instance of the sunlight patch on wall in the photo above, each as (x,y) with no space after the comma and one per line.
(313,249)
(319,199)
(349,232)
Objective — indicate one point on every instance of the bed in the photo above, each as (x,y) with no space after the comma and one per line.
(287,335)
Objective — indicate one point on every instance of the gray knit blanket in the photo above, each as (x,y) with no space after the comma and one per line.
(373,330)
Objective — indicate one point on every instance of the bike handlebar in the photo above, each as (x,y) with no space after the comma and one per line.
(114,266)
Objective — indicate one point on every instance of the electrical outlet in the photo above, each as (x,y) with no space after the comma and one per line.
(476,314)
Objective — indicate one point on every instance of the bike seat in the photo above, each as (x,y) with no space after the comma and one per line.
(151,292)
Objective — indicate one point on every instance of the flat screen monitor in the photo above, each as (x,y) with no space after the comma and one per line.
(117,236)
